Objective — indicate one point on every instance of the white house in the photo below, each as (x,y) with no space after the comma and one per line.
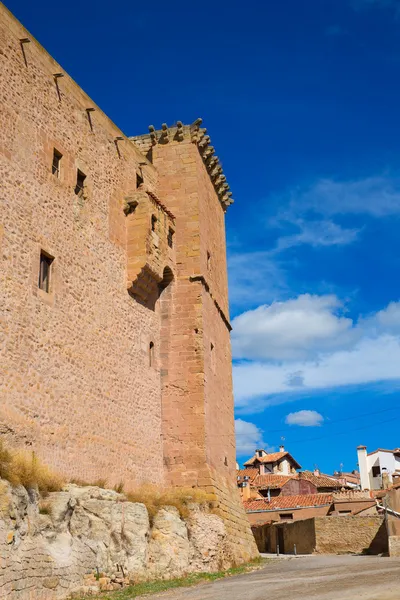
(378,467)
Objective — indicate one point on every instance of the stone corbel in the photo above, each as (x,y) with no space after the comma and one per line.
(153,135)
(164,138)
(179,131)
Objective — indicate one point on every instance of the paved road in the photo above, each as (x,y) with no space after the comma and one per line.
(309,578)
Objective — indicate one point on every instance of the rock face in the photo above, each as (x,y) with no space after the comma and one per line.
(88,537)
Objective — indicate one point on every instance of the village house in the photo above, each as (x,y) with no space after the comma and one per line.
(276,474)
(379,468)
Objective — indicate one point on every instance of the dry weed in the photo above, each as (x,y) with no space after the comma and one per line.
(154,498)
(24,468)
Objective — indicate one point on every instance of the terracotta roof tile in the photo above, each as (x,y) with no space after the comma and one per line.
(320,481)
(274,482)
(270,458)
(287,502)
(242,473)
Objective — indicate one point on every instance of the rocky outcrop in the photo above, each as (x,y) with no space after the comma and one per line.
(88,537)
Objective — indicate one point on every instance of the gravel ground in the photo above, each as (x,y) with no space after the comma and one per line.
(311,578)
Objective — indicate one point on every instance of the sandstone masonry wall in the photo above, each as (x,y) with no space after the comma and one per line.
(76,382)
(340,535)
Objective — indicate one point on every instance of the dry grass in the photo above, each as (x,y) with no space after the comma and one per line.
(154,498)
(24,468)
(44,508)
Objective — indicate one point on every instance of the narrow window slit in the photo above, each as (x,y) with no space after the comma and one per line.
(80,183)
(45,271)
(56,165)
(171,237)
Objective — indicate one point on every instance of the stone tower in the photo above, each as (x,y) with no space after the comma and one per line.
(196,370)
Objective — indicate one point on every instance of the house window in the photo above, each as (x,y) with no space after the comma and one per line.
(80,183)
(376,471)
(153,222)
(56,166)
(208,260)
(170,237)
(45,271)
(139,180)
(344,512)
(151,354)
(260,453)
(286,516)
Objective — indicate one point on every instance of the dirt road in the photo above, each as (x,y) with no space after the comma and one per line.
(311,578)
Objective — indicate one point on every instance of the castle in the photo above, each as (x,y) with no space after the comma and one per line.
(115,354)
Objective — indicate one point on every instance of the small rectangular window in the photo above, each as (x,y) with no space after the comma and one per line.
(56,166)
(80,183)
(376,471)
(45,271)
(170,237)
(153,222)
(286,516)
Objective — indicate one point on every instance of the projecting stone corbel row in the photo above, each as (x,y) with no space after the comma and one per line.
(197,135)
(212,163)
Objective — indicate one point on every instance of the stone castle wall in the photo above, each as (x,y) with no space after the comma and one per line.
(123,369)
(77,386)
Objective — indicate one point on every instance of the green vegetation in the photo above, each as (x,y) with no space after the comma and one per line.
(154,587)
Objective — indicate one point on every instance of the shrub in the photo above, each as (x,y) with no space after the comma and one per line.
(154,498)
(44,508)
(24,468)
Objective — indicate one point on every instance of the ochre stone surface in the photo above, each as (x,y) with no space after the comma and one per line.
(122,371)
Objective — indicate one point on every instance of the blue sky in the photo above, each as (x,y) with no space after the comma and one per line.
(301,100)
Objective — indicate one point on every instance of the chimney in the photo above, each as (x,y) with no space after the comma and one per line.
(246,492)
(363,467)
(282,448)
(317,472)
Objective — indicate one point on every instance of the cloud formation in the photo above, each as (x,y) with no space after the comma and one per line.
(249,437)
(305,418)
(305,344)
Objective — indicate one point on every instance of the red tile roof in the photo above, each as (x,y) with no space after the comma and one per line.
(271,458)
(287,502)
(320,481)
(395,451)
(242,473)
(273,482)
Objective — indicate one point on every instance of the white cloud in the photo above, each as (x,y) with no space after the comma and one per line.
(305,418)
(291,330)
(249,437)
(303,345)
(378,196)
(244,288)
(317,233)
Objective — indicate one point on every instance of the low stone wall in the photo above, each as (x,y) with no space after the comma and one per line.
(57,546)
(326,535)
(342,535)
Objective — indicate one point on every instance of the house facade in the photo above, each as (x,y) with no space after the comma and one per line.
(378,468)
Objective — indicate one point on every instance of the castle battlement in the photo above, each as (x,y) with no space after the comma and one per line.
(195,134)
